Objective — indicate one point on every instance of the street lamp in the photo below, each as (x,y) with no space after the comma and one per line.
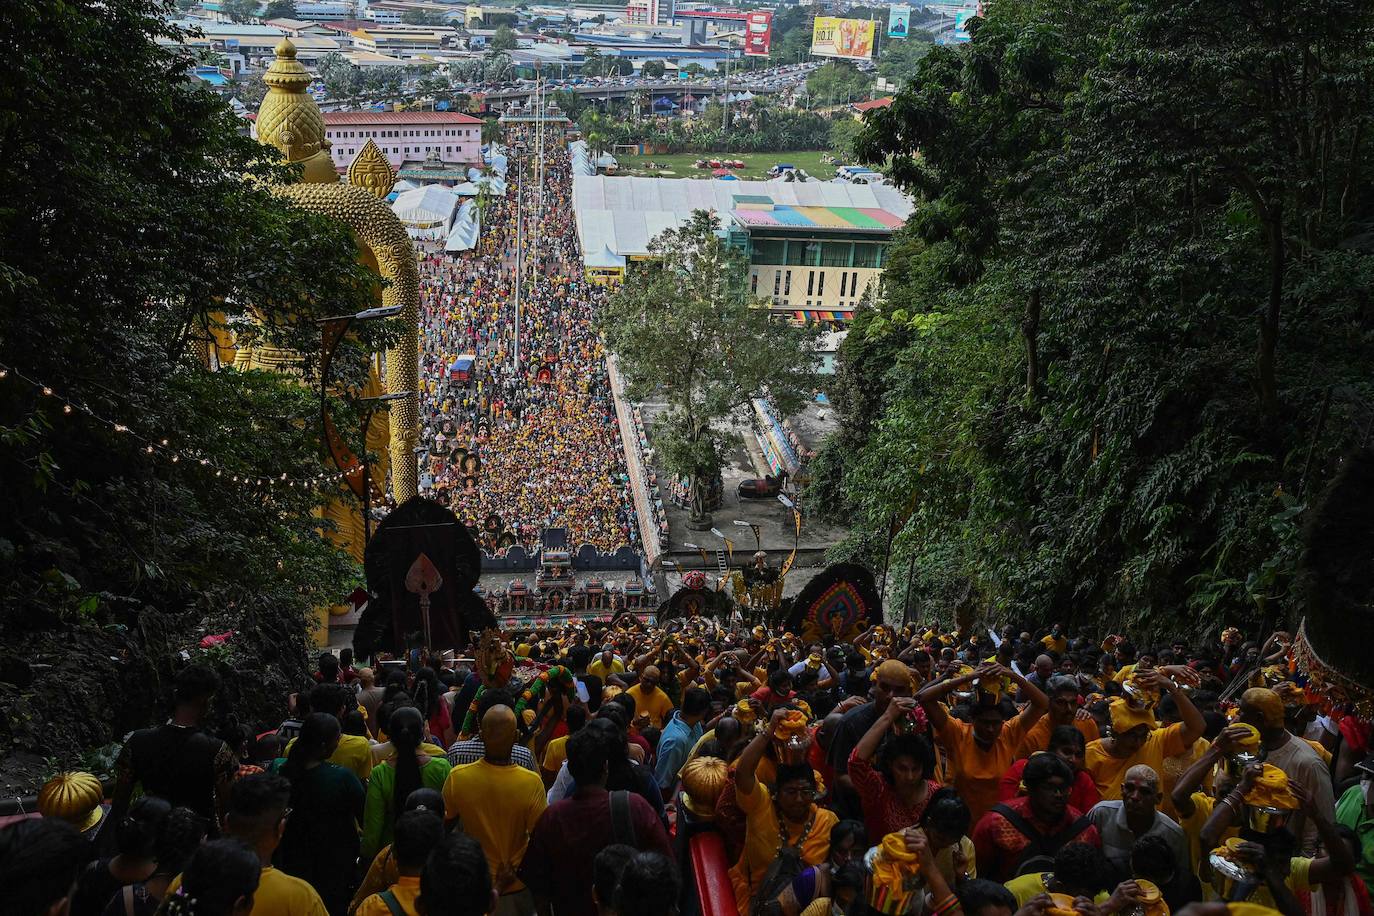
(332,331)
(374,404)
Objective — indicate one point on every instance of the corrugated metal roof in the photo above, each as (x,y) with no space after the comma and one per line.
(625,214)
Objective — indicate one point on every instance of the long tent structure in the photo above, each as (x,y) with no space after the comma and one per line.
(427,212)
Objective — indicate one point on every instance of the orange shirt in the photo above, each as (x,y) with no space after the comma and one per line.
(1107,771)
(1038,735)
(974,772)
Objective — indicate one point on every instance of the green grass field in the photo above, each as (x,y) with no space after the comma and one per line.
(756,165)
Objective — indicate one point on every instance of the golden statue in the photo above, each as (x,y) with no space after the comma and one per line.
(290,120)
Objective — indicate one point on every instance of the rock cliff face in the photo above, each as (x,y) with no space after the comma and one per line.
(69,693)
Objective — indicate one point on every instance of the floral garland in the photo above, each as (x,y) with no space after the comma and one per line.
(470,719)
(537,687)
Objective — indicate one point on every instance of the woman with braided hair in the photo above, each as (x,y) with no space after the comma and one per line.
(220,880)
(393,781)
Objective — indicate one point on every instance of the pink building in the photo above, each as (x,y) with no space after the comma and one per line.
(405,136)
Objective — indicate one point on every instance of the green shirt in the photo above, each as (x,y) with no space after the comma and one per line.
(1353,812)
(379,814)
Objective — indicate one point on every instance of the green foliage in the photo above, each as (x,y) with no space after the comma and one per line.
(685,328)
(837,83)
(280,9)
(423,17)
(118,247)
(898,57)
(503,39)
(653,69)
(759,127)
(241,10)
(1138,265)
(843,133)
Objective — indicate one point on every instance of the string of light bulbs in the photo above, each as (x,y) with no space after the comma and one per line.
(160,447)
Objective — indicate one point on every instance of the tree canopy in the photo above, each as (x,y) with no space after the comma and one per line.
(685,327)
(1125,334)
(118,246)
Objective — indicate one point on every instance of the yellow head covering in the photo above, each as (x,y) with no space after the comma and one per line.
(1267,702)
(745,713)
(793,725)
(703,779)
(1271,790)
(1126,717)
(894,671)
(74,797)
(893,867)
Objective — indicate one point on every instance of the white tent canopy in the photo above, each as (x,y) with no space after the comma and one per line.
(466,228)
(427,212)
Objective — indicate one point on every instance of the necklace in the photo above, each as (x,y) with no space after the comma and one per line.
(782,829)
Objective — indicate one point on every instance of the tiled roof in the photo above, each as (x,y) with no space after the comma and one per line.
(869,106)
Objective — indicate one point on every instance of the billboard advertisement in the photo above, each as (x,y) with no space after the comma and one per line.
(758,33)
(898,20)
(961,20)
(849,38)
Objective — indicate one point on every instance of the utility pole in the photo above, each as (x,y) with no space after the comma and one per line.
(519,250)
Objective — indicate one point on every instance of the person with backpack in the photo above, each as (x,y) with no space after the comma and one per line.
(417,834)
(571,833)
(785,830)
(1023,834)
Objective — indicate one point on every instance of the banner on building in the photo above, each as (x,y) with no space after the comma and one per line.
(898,20)
(961,20)
(471,13)
(849,38)
(758,33)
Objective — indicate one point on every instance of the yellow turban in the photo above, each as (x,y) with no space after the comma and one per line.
(893,866)
(745,713)
(1252,736)
(74,797)
(793,725)
(703,779)
(1271,790)
(1267,702)
(1250,909)
(894,671)
(1126,717)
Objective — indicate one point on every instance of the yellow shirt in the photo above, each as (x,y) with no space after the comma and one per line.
(1123,672)
(1057,646)
(406,889)
(656,704)
(597,669)
(498,806)
(1203,805)
(761,842)
(354,754)
(556,753)
(279,894)
(977,773)
(1027,886)
(1107,770)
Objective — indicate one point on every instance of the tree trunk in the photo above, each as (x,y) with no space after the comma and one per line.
(1267,357)
(699,518)
(1030,329)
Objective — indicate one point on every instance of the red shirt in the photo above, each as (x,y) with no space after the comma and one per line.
(999,845)
(1083,795)
(884,812)
(565,841)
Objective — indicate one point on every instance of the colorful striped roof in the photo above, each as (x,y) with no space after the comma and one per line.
(869,219)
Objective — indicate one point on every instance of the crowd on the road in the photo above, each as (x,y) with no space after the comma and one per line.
(537,412)
(617,768)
